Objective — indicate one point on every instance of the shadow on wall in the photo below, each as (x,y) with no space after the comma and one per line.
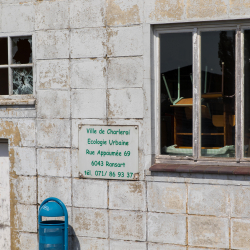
(221,177)
(74,243)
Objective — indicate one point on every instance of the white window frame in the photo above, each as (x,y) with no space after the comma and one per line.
(10,66)
(196,28)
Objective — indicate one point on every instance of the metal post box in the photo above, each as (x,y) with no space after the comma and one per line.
(53,234)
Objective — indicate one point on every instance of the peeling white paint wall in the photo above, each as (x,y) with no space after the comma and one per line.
(93,65)
(4,197)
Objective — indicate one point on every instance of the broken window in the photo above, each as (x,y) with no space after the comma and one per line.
(16,74)
(22,81)
(21,50)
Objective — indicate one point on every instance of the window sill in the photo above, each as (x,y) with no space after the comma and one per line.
(9,102)
(206,169)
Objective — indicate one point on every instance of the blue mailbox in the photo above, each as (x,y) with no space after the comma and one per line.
(53,234)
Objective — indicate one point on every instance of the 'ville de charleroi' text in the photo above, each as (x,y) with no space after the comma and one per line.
(111,142)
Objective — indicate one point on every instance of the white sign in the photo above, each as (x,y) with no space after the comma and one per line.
(108,152)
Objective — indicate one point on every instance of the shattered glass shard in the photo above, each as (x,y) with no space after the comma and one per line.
(22,50)
(22,81)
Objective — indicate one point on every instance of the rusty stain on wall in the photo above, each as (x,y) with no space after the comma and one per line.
(168,9)
(136,187)
(122,225)
(110,33)
(48,75)
(81,221)
(244,3)
(110,112)
(240,234)
(206,9)
(239,7)
(116,15)
(235,7)
(47,128)
(15,239)
(10,131)
(90,220)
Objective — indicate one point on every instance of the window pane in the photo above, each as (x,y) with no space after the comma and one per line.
(218,94)
(176,93)
(22,81)
(4,87)
(246,93)
(21,50)
(4,51)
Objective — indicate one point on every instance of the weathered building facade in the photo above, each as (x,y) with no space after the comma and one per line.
(96,62)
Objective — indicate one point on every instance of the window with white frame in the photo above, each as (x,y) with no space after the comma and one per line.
(203,90)
(16,66)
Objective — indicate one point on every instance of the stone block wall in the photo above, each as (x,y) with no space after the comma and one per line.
(93,65)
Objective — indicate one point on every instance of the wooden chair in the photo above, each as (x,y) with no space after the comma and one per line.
(226,120)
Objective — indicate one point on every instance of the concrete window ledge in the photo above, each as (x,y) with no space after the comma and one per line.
(204,169)
(7,102)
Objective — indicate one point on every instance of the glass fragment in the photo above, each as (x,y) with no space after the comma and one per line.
(22,81)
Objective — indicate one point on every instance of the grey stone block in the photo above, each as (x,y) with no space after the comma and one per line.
(88,103)
(167,228)
(53,133)
(90,222)
(131,98)
(125,72)
(208,200)
(90,193)
(167,197)
(54,162)
(127,195)
(54,187)
(240,231)
(208,231)
(127,225)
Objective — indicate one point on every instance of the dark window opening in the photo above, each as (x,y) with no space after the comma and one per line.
(247,93)
(176,93)
(4,51)
(22,50)
(218,94)
(4,89)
